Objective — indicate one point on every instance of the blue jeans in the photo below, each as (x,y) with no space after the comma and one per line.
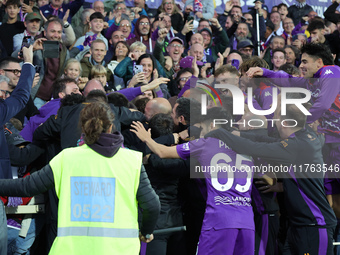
(21,245)
(3,229)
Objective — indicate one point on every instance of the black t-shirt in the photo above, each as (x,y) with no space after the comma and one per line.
(7,31)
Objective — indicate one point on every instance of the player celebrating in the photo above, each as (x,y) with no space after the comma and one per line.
(228,214)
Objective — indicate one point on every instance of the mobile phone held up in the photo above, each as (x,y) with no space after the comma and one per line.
(26,42)
(51,49)
(137,69)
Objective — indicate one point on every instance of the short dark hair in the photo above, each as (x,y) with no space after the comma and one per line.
(290,69)
(161,124)
(13,2)
(180,72)
(141,103)
(183,108)
(217,113)
(281,5)
(203,19)
(118,99)
(318,50)
(96,95)
(279,50)
(72,99)
(238,7)
(187,106)
(59,86)
(4,62)
(315,24)
(97,15)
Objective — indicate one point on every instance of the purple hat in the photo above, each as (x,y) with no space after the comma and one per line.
(176,39)
(187,62)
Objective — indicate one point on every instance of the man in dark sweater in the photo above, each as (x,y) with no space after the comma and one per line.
(12,27)
(299,10)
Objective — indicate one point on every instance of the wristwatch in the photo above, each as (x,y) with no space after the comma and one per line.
(66,24)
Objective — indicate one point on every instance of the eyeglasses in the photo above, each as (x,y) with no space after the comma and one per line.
(125,25)
(144,23)
(6,92)
(15,71)
(184,78)
(176,45)
(249,19)
(121,8)
(168,3)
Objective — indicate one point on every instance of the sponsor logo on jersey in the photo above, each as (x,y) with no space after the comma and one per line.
(237,201)
(186,146)
(328,71)
(267,93)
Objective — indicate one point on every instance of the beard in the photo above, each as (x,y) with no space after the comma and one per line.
(144,32)
(241,37)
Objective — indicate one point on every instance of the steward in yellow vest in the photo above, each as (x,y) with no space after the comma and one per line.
(99,186)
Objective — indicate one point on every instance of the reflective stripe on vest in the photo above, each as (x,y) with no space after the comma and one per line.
(99,232)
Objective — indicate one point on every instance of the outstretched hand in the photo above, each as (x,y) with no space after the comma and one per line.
(139,130)
(254,71)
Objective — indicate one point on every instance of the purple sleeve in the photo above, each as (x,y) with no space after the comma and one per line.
(130,93)
(110,30)
(27,132)
(283,79)
(297,28)
(183,150)
(329,90)
(194,148)
(191,83)
(159,93)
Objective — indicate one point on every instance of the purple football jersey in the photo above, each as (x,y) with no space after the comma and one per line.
(228,177)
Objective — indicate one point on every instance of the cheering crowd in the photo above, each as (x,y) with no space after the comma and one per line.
(116,118)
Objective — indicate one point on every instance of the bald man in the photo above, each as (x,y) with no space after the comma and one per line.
(197,50)
(155,106)
(92,85)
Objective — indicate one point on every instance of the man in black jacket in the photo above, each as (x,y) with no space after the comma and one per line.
(299,10)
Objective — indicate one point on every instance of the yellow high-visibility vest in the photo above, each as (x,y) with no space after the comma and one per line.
(97,211)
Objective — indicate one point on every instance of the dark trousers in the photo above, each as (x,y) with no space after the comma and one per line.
(309,240)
